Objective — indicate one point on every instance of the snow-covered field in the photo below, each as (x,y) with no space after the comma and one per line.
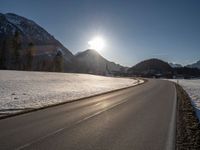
(21,90)
(192,87)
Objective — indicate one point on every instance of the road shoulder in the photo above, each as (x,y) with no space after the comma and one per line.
(188,127)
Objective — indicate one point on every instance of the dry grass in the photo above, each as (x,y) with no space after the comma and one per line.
(188,127)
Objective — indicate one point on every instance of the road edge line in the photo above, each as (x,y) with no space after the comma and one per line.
(71,101)
(171,139)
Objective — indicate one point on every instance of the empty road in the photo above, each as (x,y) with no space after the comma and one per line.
(138,118)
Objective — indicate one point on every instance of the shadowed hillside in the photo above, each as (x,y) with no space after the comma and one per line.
(90,61)
(151,68)
(24,45)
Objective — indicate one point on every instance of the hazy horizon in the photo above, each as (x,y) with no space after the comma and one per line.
(133,30)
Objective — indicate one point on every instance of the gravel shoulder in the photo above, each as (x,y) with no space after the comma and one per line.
(188,127)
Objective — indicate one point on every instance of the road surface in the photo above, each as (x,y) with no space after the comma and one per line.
(138,118)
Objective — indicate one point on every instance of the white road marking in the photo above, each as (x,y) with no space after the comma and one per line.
(170,145)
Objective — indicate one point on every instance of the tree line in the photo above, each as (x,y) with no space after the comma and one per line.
(16,56)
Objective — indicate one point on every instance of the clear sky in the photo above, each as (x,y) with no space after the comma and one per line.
(133,30)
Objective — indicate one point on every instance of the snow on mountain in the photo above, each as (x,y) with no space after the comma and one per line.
(26,32)
(173,65)
(28,27)
(22,40)
(194,65)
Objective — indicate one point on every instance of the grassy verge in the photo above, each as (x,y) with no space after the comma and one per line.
(188,127)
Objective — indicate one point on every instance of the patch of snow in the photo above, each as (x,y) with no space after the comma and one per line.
(21,90)
(59,50)
(13,19)
(192,87)
(28,27)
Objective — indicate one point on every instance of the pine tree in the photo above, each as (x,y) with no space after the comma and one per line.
(16,49)
(3,55)
(29,56)
(58,61)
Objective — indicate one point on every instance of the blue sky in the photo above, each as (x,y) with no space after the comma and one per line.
(134,30)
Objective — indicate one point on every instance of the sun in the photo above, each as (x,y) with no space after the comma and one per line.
(97,43)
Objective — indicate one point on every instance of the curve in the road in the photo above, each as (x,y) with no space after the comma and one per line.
(137,118)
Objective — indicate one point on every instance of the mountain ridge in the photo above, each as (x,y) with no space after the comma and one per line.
(194,65)
(18,35)
(24,45)
(90,61)
(174,65)
(152,67)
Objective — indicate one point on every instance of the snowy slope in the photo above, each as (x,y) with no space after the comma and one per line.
(22,90)
(192,87)
(27,32)
(195,65)
(173,65)
(28,27)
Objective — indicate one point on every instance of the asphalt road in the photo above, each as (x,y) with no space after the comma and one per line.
(138,118)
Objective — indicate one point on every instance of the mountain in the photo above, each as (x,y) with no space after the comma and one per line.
(24,45)
(151,68)
(90,61)
(195,65)
(175,65)
(186,72)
